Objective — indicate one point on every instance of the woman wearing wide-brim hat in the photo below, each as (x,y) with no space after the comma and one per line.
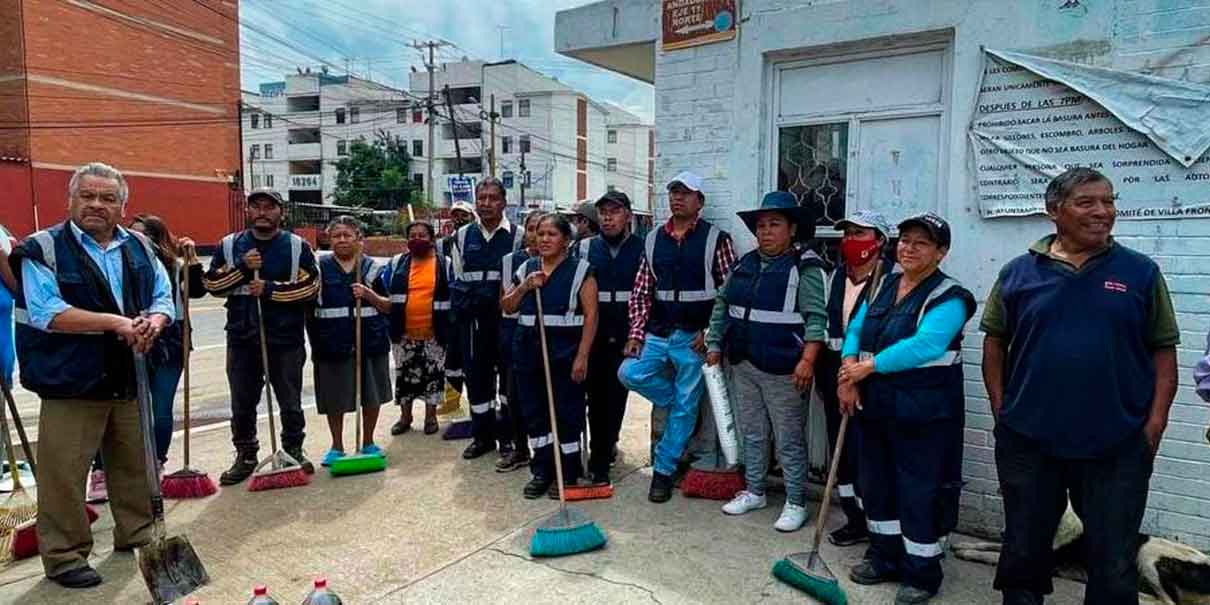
(770,322)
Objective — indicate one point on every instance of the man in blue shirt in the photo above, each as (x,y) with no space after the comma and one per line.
(91,292)
(1080,367)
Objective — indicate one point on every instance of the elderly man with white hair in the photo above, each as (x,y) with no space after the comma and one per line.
(92,292)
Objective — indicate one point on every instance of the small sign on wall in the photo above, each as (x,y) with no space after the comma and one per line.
(689,23)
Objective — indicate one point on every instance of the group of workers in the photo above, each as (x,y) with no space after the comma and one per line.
(1079,360)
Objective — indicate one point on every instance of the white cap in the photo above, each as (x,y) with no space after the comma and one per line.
(691,181)
(463,206)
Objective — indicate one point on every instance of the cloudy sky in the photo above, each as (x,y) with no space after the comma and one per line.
(374,37)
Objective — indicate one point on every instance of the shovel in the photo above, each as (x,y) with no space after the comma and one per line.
(171,568)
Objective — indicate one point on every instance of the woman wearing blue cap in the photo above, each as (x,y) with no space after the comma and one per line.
(902,379)
(770,319)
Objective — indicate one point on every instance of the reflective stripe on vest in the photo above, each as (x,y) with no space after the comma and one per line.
(620,296)
(47,242)
(399,298)
(835,344)
(765,317)
(506,264)
(471,276)
(339,312)
(708,292)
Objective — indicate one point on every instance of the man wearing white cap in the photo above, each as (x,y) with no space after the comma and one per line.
(684,264)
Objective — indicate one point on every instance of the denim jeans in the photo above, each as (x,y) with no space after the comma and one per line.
(669,374)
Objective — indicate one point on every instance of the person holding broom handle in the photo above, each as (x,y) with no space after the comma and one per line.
(330,328)
(92,292)
(286,286)
(569,301)
(519,457)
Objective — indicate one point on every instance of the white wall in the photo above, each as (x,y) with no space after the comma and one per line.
(725,85)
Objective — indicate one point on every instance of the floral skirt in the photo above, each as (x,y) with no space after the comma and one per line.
(419,371)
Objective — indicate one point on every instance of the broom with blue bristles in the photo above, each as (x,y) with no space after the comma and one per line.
(571,530)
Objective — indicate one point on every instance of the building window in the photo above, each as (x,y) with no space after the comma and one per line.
(340,115)
(342,148)
(611,164)
(268,120)
(418,181)
(523,143)
(612,136)
(506,145)
(417,116)
(268,180)
(255,121)
(812,162)
(256,181)
(354,114)
(611,188)
(401,116)
(268,151)
(523,108)
(506,109)
(417,148)
(255,152)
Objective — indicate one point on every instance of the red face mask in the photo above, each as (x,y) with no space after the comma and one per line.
(420,247)
(858,252)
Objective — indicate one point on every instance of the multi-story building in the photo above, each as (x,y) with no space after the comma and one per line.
(152,90)
(295,130)
(630,157)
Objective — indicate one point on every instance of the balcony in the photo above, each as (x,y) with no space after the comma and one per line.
(306,182)
(304,151)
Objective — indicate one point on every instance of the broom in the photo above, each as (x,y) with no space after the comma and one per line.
(359,463)
(187,482)
(283,470)
(570,530)
(807,571)
(18,509)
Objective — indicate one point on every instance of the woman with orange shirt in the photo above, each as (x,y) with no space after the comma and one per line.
(420,305)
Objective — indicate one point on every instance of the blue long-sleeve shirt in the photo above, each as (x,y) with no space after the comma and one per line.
(44,301)
(932,338)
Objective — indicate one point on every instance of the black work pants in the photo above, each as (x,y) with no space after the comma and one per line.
(606,404)
(245,375)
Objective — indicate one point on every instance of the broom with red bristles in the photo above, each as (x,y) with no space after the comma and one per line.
(187,482)
(284,471)
(18,509)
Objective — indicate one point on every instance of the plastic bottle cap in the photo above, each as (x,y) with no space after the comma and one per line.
(321,582)
(260,590)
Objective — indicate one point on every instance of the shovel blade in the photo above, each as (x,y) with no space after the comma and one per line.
(171,569)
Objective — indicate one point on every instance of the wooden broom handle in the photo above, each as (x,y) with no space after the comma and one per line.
(186,342)
(822,517)
(357,355)
(550,400)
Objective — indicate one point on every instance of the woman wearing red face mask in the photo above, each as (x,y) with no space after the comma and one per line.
(420,307)
(861,257)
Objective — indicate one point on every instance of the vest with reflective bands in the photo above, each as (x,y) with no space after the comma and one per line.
(684,279)
(564,319)
(764,326)
(331,322)
(508,321)
(401,270)
(834,294)
(95,366)
(282,256)
(477,268)
(933,391)
(615,280)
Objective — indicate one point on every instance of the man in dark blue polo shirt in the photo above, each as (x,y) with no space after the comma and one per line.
(1079,361)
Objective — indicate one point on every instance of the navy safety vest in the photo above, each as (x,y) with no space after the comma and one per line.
(561,311)
(401,272)
(167,348)
(475,291)
(94,366)
(764,326)
(931,392)
(511,266)
(330,324)
(282,257)
(615,270)
(1080,375)
(834,294)
(684,279)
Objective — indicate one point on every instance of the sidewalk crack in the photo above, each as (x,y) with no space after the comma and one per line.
(587,574)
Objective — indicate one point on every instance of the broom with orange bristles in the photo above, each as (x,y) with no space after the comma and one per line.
(187,482)
(18,509)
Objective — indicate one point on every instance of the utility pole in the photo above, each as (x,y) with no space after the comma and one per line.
(524,178)
(432,116)
(449,106)
(491,151)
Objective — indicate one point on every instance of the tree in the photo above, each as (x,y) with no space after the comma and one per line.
(374,175)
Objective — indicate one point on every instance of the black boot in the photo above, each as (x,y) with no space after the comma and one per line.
(242,468)
(301,456)
(661,488)
(537,487)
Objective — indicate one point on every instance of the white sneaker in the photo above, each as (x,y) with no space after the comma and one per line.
(98,492)
(744,502)
(791,519)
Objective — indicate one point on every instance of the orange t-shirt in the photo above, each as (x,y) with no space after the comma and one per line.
(422,284)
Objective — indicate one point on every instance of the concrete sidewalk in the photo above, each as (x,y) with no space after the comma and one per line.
(436,529)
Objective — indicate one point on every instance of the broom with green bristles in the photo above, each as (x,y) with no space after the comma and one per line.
(359,463)
(807,571)
(18,509)
(571,530)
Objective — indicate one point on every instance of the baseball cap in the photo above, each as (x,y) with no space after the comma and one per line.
(587,210)
(866,219)
(614,197)
(464,207)
(691,181)
(269,193)
(936,226)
